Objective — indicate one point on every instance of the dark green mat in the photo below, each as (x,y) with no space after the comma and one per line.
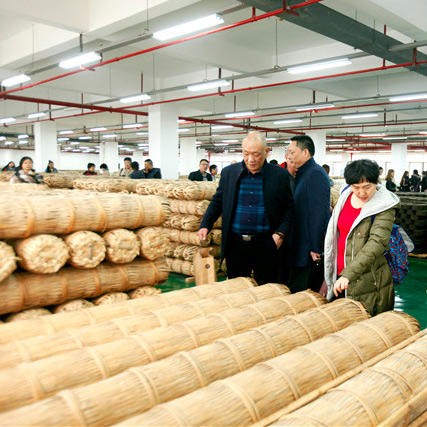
(411,295)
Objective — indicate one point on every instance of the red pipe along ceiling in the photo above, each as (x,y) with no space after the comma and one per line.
(161,46)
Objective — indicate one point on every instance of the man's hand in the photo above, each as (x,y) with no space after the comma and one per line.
(340,285)
(315,256)
(278,240)
(203,234)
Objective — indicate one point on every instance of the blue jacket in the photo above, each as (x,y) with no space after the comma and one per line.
(277,198)
(312,195)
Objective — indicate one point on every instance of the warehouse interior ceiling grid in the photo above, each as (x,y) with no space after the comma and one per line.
(383,44)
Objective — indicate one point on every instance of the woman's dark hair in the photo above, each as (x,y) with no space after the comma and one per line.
(406,173)
(103,166)
(361,170)
(23,160)
(7,166)
(135,166)
(415,171)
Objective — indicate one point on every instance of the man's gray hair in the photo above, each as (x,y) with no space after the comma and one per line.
(256,136)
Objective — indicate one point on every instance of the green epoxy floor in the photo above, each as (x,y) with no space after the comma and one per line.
(411,295)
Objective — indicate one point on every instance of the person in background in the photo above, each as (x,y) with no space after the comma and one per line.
(201,174)
(327,170)
(127,170)
(424,182)
(358,234)
(291,171)
(25,173)
(415,181)
(90,169)
(9,167)
(381,174)
(255,201)
(390,183)
(104,170)
(150,172)
(404,182)
(50,167)
(312,194)
(213,169)
(136,174)
(274,162)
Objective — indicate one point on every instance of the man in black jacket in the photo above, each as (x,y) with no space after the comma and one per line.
(256,204)
(150,172)
(201,174)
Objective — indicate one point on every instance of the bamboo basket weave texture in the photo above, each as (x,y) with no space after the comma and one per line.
(187,237)
(87,249)
(37,348)
(189,207)
(7,260)
(123,246)
(41,253)
(393,392)
(34,381)
(60,322)
(154,242)
(26,290)
(58,180)
(32,313)
(138,389)
(24,216)
(249,396)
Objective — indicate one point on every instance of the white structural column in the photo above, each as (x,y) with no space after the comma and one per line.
(109,154)
(319,139)
(398,160)
(277,153)
(188,156)
(46,145)
(163,139)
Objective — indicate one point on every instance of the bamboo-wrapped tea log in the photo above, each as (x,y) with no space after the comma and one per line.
(123,246)
(87,249)
(7,260)
(154,242)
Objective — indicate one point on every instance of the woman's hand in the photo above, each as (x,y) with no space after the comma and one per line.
(340,285)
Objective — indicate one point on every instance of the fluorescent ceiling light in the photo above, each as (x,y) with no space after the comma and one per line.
(132,125)
(188,27)
(7,120)
(230,140)
(141,133)
(220,143)
(216,127)
(109,135)
(182,121)
(15,80)
(239,114)
(359,116)
(208,85)
(24,141)
(198,142)
(395,137)
(120,146)
(76,150)
(135,98)
(281,122)
(318,66)
(65,132)
(83,148)
(35,115)
(63,139)
(372,135)
(23,136)
(2,138)
(270,139)
(98,129)
(408,97)
(79,60)
(8,142)
(314,107)
(184,130)
(334,139)
(74,143)
(85,137)
(424,132)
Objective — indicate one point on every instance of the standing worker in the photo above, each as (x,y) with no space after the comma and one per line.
(256,204)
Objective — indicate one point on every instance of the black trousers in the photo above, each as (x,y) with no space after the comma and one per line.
(310,277)
(259,255)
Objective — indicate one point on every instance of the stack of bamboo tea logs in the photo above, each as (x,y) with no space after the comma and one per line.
(44,230)
(188,202)
(221,354)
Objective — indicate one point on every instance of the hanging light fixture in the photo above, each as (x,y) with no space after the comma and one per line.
(15,80)
(77,61)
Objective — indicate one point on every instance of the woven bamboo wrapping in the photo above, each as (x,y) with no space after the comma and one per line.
(181,267)
(187,237)
(216,236)
(7,260)
(249,396)
(190,190)
(186,252)
(34,381)
(151,186)
(31,313)
(41,253)
(109,185)
(122,245)
(74,305)
(111,298)
(42,347)
(144,291)
(400,380)
(5,176)
(56,180)
(87,249)
(23,216)
(18,187)
(189,207)
(138,389)
(154,242)
(26,290)
(189,222)
(60,322)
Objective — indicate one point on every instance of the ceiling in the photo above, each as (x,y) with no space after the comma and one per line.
(253,49)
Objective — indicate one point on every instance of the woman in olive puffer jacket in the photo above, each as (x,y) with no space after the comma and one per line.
(357,236)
